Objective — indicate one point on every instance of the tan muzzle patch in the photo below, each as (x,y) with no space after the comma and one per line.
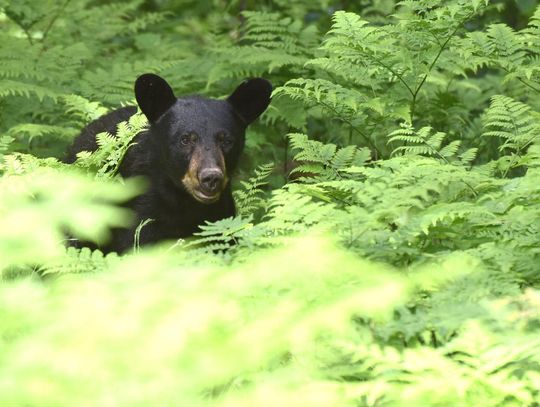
(191,178)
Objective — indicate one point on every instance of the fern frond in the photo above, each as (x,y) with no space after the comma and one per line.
(324,161)
(80,261)
(83,109)
(512,122)
(422,142)
(338,100)
(107,158)
(468,156)
(505,44)
(271,42)
(250,198)
(32,130)
(16,88)
(5,141)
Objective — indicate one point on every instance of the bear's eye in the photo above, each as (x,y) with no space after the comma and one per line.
(187,139)
(224,140)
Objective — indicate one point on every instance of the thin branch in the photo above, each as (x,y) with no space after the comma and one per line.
(285,160)
(528,85)
(25,29)
(364,136)
(28,35)
(516,156)
(520,79)
(442,48)
(51,24)
(389,68)
(442,157)
(436,38)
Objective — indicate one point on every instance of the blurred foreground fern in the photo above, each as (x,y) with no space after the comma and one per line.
(399,265)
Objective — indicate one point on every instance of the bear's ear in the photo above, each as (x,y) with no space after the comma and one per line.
(154,96)
(251,98)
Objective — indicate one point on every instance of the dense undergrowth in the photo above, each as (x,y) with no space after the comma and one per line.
(387,248)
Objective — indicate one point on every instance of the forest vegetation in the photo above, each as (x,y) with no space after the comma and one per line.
(386,250)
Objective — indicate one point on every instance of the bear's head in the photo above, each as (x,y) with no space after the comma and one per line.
(199,140)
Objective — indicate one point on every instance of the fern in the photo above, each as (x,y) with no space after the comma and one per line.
(344,104)
(32,130)
(15,88)
(218,237)
(270,42)
(83,109)
(324,161)
(107,158)
(51,52)
(515,53)
(251,197)
(80,261)
(512,122)
(375,80)
(423,142)
(54,202)
(398,265)
(5,141)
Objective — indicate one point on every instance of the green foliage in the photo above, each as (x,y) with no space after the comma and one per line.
(251,197)
(514,124)
(79,261)
(38,207)
(106,160)
(324,161)
(389,257)
(427,144)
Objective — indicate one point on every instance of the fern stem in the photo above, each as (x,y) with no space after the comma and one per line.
(515,131)
(286,157)
(28,35)
(522,80)
(353,127)
(528,85)
(436,38)
(518,152)
(137,235)
(390,69)
(25,29)
(434,341)
(441,49)
(51,24)
(442,157)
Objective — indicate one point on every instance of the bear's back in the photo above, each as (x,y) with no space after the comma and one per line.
(86,141)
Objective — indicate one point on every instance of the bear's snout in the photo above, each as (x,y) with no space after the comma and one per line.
(211,180)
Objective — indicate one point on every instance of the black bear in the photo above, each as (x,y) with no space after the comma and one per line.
(187,154)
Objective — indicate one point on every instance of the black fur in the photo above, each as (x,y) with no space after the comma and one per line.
(187,153)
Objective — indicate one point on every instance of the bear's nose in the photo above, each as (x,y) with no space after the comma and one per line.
(211,180)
